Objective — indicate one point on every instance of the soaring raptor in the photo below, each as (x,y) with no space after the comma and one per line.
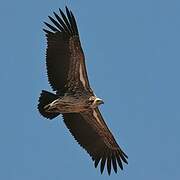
(73,97)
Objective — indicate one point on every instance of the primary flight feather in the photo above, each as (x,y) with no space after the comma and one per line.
(73,97)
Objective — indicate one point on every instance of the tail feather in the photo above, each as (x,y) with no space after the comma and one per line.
(44,99)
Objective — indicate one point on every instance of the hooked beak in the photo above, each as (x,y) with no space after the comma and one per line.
(99,101)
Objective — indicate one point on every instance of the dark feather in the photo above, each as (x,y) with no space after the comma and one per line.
(114,163)
(70,20)
(66,21)
(122,156)
(74,23)
(47,32)
(109,165)
(65,28)
(51,27)
(103,161)
(55,23)
(119,161)
(44,99)
(97,161)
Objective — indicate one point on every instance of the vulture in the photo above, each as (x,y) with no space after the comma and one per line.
(73,97)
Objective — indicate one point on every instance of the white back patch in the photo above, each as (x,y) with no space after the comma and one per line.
(81,76)
(96,117)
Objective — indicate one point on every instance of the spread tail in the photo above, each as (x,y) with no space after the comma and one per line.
(44,99)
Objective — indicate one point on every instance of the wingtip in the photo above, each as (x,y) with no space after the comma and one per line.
(109,165)
(66,8)
(103,161)
(123,158)
(46,31)
(114,163)
(61,12)
(97,160)
(51,27)
(54,13)
(125,155)
(119,161)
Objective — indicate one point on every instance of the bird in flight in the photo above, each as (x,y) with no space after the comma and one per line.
(73,98)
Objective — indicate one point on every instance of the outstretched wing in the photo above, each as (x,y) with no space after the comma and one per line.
(64,57)
(92,133)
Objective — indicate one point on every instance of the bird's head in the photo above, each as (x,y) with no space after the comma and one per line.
(95,101)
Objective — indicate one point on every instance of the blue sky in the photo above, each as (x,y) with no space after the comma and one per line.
(132,52)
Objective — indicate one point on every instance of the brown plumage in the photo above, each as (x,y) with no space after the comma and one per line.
(73,97)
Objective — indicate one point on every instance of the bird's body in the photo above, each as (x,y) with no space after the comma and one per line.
(73,103)
(73,97)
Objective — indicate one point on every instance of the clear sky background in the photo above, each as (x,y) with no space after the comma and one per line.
(132,53)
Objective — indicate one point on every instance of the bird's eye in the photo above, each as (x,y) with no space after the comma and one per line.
(91,100)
